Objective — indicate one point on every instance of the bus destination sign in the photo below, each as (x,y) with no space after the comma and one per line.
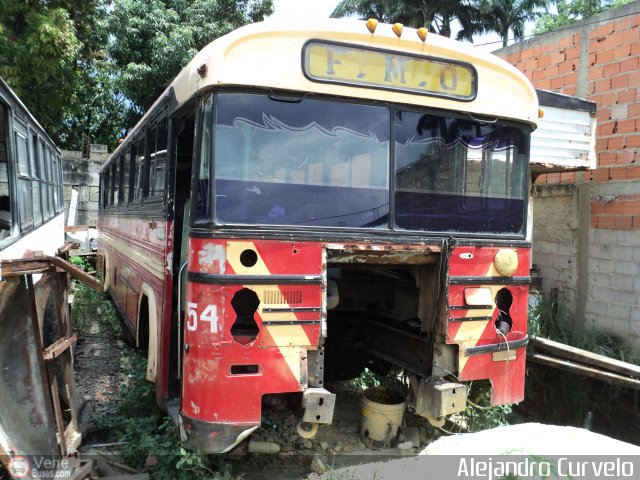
(360,66)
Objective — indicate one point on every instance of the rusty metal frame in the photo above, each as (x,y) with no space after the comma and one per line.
(31,305)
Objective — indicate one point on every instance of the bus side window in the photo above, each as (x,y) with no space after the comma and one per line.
(138,168)
(24,177)
(36,176)
(126,172)
(157,159)
(5,198)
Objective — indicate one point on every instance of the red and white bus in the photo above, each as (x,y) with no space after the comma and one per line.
(304,201)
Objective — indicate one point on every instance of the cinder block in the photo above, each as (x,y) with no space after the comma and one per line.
(603,266)
(621,252)
(596,308)
(600,280)
(561,261)
(622,282)
(605,236)
(631,238)
(546,247)
(627,297)
(619,313)
(626,268)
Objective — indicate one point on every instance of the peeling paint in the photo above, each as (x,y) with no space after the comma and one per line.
(211,254)
(195,408)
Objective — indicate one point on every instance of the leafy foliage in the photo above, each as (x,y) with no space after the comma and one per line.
(437,15)
(473,16)
(89,306)
(504,16)
(152,40)
(134,418)
(481,417)
(571,11)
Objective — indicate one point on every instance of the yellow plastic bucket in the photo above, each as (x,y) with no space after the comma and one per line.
(382,413)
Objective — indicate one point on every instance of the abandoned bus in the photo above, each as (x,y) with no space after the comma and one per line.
(34,313)
(31,205)
(302,202)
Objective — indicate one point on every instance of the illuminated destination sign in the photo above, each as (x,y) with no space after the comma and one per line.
(358,66)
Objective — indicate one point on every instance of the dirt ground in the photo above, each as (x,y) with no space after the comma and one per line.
(333,453)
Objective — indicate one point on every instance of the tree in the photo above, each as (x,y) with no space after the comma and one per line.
(53,54)
(504,16)
(437,15)
(39,48)
(571,11)
(153,39)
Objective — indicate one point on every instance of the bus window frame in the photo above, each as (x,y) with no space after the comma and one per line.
(14,232)
(151,131)
(207,220)
(392,229)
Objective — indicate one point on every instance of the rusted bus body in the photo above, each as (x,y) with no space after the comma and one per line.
(36,366)
(136,273)
(362,204)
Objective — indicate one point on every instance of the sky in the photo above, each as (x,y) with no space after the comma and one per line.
(312,9)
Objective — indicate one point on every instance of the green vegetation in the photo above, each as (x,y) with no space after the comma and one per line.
(556,396)
(134,418)
(89,305)
(572,11)
(479,413)
(473,17)
(86,69)
(366,379)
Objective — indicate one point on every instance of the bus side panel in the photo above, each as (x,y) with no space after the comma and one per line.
(250,320)
(475,305)
(165,318)
(136,258)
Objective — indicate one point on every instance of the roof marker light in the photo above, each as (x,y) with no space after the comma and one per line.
(422,33)
(397,29)
(372,23)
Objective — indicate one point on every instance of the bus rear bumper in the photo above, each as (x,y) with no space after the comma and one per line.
(214,437)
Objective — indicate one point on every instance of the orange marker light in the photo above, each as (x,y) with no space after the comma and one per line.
(540,113)
(372,24)
(397,28)
(422,33)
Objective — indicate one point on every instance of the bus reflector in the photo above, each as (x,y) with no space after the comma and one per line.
(372,24)
(397,28)
(422,33)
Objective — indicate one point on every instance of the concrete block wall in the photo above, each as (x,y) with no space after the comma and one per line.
(599,60)
(82,174)
(555,226)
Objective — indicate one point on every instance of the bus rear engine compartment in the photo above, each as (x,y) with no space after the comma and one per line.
(386,310)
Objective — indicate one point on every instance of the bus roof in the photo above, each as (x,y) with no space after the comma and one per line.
(269,55)
(19,108)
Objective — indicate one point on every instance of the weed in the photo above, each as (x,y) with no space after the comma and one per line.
(366,379)
(480,417)
(134,418)
(81,262)
(93,312)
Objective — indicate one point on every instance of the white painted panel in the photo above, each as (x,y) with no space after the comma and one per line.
(564,140)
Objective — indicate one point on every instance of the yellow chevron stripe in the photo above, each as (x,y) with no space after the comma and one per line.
(288,338)
(470,332)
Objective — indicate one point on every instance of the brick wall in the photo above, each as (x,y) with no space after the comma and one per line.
(599,60)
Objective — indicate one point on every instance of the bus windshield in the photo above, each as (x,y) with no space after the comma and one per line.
(316,162)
